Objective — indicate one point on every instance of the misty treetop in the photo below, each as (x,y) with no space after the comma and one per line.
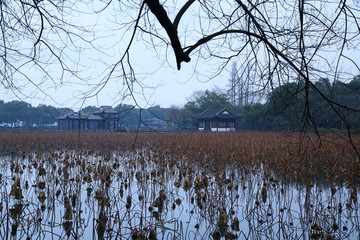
(286,107)
(16,111)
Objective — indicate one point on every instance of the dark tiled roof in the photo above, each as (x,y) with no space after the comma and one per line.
(95,117)
(222,113)
(105,109)
(62,117)
(74,115)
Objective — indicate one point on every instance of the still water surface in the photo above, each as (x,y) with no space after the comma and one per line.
(144,194)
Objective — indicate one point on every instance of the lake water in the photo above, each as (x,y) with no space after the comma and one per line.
(146,194)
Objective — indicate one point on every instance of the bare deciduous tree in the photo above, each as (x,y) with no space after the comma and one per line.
(35,37)
(241,86)
(297,41)
(284,41)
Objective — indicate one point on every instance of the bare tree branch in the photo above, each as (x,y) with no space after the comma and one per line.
(158,10)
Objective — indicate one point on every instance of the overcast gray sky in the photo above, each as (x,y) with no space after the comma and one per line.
(161,83)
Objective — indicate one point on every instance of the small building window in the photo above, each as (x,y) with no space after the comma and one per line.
(218,124)
(230,124)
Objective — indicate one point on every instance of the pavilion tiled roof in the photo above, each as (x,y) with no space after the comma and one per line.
(95,117)
(105,109)
(73,115)
(222,113)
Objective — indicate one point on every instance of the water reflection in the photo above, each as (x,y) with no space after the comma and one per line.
(151,195)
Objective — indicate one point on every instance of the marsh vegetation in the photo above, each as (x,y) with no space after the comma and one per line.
(178,186)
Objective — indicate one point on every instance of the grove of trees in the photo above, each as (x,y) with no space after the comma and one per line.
(283,109)
(44,116)
(13,112)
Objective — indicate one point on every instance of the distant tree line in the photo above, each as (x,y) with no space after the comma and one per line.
(287,106)
(284,109)
(22,114)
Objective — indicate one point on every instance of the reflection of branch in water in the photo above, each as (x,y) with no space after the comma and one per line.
(101,223)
